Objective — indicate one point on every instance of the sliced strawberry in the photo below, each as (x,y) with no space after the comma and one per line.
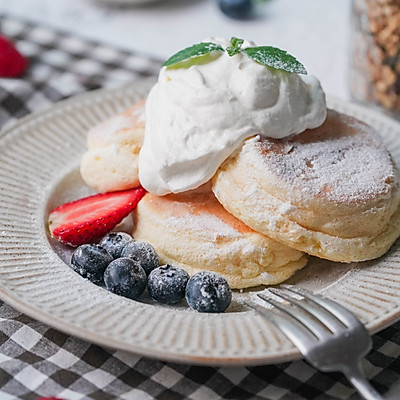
(12,62)
(88,219)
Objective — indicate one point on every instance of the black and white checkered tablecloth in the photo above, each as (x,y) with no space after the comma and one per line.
(37,360)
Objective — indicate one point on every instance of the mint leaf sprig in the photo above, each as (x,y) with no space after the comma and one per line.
(235,46)
(266,55)
(196,50)
(275,58)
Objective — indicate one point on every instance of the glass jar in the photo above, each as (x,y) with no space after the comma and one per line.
(375,54)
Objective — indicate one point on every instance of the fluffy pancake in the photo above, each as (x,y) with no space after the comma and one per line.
(332,191)
(194,231)
(111,161)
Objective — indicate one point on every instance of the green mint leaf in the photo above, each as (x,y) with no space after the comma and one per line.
(235,46)
(193,51)
(275,58)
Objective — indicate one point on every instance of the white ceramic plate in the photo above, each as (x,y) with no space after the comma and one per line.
(39,159)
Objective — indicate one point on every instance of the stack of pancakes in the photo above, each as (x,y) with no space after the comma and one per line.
(331,192)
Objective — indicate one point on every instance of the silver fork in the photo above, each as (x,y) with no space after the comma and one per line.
(328,335)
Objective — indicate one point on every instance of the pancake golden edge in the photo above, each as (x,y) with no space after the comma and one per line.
(192,230)
(332,192)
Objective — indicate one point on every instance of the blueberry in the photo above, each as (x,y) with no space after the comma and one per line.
(167,284)
(209,292)
(125,277)
(238,9)
(143,253)
(90,261)
(114,242)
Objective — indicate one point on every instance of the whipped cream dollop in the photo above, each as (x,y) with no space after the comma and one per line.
(197,117)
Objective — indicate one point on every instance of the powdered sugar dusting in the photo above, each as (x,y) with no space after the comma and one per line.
(343,160)
(112,125)
(205,223)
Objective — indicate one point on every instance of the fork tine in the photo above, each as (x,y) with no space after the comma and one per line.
(295,311)
(301,337)
(331,322)
(340,312)
(341,352)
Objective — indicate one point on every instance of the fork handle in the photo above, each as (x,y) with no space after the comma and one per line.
(355,374)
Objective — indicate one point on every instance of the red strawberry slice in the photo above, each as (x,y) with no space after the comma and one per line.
(88,219)
(12,63)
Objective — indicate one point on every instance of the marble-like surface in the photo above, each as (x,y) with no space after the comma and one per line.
(316,32)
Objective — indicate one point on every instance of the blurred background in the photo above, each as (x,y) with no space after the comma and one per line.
(316,32)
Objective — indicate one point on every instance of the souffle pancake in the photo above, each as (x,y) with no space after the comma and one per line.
(332,191)
(193,230)
(111,160)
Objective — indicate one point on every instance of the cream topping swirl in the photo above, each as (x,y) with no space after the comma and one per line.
(197,117)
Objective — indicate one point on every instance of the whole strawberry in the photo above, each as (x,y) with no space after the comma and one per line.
(12,62)
(49,398)
(88,219)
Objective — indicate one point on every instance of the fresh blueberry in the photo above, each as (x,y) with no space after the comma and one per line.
(208,292)
(125,277)
(90,261)
(167,284)
(238,9)
(114,242)
(143,253)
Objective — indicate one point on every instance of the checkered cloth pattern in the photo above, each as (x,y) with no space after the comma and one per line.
(39,361)
(62,65)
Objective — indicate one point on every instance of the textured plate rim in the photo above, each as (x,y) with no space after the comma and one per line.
(76,330)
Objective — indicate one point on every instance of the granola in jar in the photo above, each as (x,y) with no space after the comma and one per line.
(375,47)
